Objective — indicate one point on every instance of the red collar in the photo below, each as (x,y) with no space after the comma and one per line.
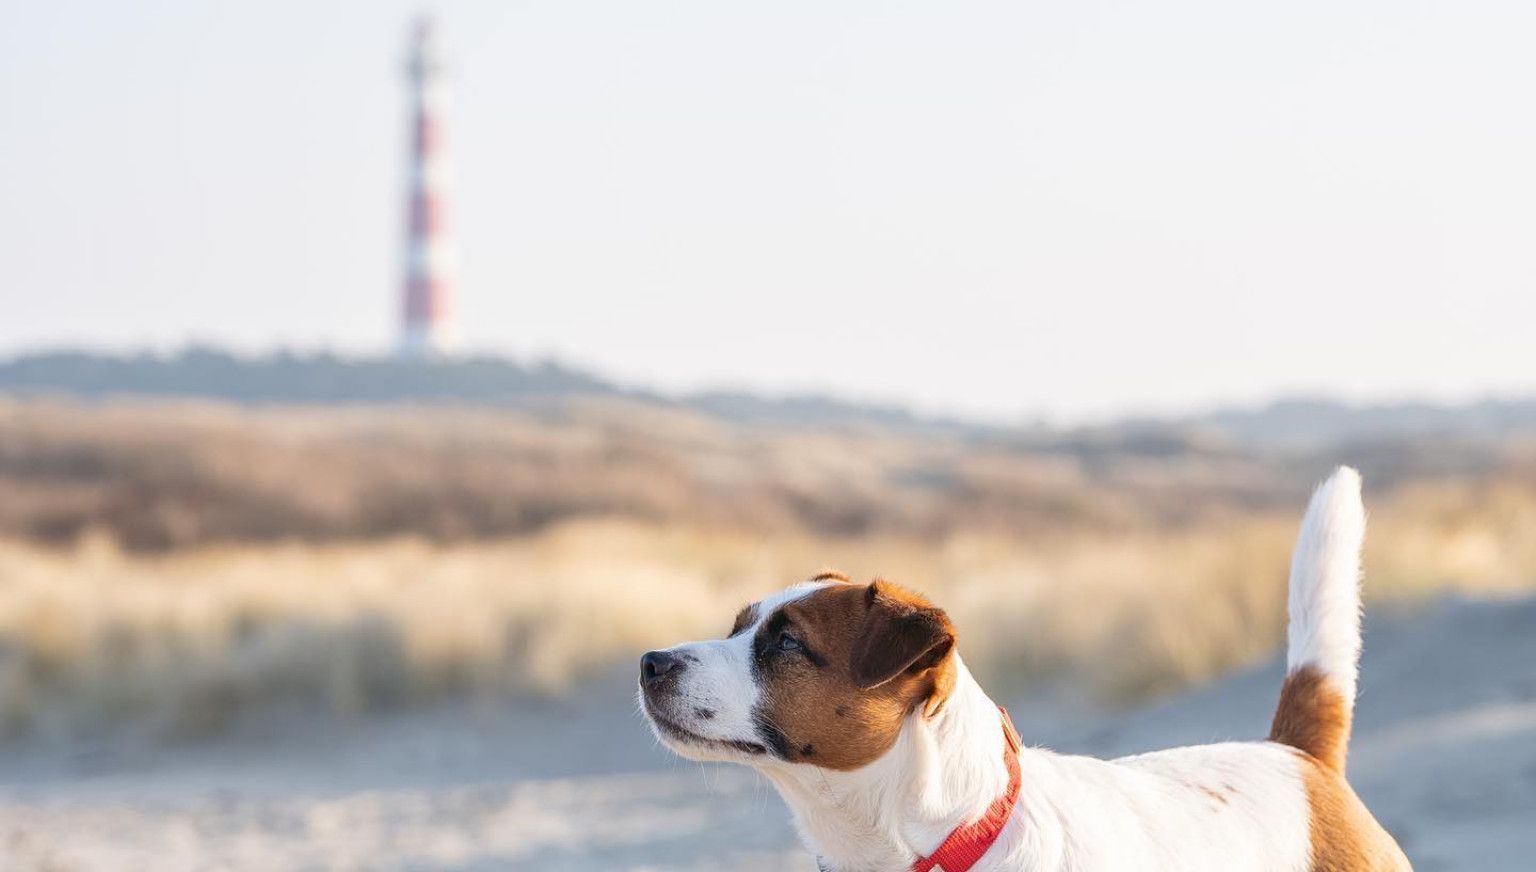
(969,842)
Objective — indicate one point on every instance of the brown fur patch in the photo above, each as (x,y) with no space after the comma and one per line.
(1345,837)
(1313,716)
(873,654)
(830,575)
(744,619)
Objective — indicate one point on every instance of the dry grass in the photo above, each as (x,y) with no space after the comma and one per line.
(163,476)
(186,566)
(191,641)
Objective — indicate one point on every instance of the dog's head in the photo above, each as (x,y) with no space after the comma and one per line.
(823,673)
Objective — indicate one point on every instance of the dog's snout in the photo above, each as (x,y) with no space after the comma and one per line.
(656,665)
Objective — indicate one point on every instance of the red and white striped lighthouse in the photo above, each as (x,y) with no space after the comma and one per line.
(430,256)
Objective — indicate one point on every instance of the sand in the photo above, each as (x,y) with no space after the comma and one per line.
(1445,753)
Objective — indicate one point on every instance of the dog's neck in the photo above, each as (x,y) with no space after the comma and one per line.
(941,772)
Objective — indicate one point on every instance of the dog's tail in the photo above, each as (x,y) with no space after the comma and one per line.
(1318,698)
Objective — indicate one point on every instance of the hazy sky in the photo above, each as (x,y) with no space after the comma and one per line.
(1004,209)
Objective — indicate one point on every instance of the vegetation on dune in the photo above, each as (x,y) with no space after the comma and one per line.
(163,476)
(187,566)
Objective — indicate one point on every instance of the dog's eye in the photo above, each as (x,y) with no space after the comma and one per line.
(788,643)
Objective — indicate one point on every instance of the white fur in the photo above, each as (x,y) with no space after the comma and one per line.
(1325,583)
(1229,807)
(1150,812)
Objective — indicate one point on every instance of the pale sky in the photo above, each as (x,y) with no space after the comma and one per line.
(1001,209)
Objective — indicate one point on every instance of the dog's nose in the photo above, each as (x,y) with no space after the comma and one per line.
(657,664)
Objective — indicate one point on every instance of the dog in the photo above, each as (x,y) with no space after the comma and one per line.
(852,699)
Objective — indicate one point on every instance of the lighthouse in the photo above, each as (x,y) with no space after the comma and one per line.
(430,256)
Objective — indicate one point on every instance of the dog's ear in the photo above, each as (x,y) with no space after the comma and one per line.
(902,634)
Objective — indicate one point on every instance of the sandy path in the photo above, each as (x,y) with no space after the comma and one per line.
(1445,753)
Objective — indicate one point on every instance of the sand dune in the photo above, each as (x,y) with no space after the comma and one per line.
(1445,753)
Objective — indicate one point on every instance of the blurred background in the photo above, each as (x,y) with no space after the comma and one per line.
(376,383)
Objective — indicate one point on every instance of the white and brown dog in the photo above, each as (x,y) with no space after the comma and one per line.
(853,700)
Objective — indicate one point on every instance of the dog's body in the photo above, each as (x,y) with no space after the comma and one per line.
(854,702)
